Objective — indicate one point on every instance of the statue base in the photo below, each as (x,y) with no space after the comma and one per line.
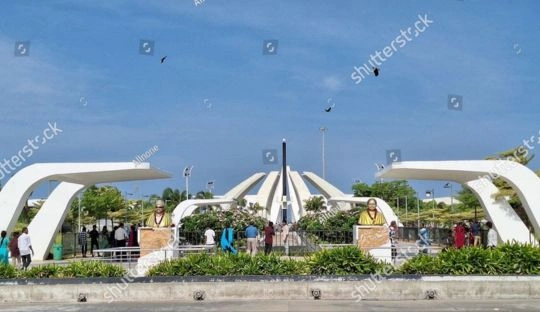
(373,239)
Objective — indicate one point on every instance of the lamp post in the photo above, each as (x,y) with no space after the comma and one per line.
(449,185)
(210,186)
(187,174)
(79,228)
(323,131)
(431,193)
(142,208)
(418,211)
(125,215)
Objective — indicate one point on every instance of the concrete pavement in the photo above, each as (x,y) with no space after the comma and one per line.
(284,305)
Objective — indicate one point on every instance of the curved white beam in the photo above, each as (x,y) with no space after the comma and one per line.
(243,188)
(327,189)
(301,190)
(524,182)
(14,194)
(47,223)
(186,207)
(266,192)
(505,220)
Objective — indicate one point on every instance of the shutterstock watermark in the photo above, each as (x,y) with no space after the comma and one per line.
(513,160)
(115,291)
(8,166)
(370,285)
(401,40)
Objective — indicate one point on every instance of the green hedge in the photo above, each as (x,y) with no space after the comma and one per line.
(74,269)
(514,259)
(338,261)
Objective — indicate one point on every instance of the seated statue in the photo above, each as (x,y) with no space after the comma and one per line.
(371,216)
(159,218)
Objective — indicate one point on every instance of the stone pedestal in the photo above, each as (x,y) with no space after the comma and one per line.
(374,239)
(152,239)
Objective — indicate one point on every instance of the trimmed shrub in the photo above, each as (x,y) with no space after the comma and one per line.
(343,261)
(515,259)
(7,271)
(92,269)
(228,264)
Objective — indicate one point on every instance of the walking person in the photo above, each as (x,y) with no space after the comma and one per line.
(25,247)
(459,234)
(475,230)
(94,239)
(269,237)
(14,250)
(105,237)
(120,237)
(251,233)
(210,242)
(285,237)
(491,236)
(227,240)
(83,241)
(4,250)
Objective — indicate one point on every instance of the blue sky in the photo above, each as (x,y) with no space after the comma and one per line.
(217,101)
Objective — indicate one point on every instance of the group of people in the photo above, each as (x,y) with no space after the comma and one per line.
(253,238)
(19,246)
(470,234)
(118,237)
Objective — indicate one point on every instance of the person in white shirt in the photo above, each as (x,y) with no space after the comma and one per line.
(25,247)
(120,236)
(210,239)
(491,236)
(210,235)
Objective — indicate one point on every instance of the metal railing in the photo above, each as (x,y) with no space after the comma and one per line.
(300,242)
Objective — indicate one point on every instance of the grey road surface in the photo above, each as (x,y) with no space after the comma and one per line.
(284,305)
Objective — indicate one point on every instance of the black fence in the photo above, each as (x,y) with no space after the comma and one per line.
(298,242)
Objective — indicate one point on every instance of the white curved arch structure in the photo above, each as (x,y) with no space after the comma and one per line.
(270,196)
(75,176)
(477,174)
(187,207)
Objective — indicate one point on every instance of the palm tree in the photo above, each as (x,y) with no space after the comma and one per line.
(315,204)
(172,197)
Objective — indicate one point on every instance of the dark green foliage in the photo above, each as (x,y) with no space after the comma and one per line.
(339,261)
(343,261)
(74,269)
(7,271)
(228,264)
(92,269)
(511,259)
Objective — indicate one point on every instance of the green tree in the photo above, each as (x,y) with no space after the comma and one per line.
(99,203)
(315,204)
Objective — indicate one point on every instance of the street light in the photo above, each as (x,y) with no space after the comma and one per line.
(323,130)
(187,174)
(449,185)
(142,208)
(125,214)
(210,186)
(431,193)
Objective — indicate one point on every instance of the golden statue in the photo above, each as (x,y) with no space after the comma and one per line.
(160,218)
(371,216)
